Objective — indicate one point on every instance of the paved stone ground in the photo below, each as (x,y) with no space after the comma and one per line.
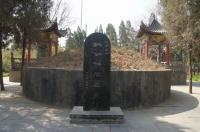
(180,113)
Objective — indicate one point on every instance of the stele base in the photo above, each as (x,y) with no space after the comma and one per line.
(79,116)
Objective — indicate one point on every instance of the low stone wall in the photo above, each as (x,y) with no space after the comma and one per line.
(179,74)
(178,78)
(14,76)
(128,88)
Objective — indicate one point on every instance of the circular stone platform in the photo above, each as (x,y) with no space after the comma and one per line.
(64,87)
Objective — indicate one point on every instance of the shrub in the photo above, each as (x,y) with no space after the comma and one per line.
(6,60)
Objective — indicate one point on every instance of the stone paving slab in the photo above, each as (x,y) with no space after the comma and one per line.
(180,113)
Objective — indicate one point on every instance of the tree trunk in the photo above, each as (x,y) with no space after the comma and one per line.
(23,55)
(190,68)
(1,62)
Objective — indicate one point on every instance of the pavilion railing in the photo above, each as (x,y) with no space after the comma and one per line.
(182,67)
(178,67)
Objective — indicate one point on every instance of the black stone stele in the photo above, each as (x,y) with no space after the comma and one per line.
(97,73)
(96,85)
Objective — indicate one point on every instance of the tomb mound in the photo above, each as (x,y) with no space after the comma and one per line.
(121,59)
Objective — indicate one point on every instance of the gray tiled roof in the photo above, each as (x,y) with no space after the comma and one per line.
(156,27)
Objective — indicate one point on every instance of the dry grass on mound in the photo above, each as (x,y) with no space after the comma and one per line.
(121,58)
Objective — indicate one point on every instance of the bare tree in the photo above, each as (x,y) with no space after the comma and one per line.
(61,12)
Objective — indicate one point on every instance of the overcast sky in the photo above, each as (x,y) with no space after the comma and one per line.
(96,12)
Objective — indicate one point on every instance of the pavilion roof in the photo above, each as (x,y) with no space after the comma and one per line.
(54,28)
(153,28)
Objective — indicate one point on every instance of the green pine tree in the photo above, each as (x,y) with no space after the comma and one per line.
(100,29)
(123,38)
(111,33)
(131,33)
(26,15)
(70,42)
(79,37)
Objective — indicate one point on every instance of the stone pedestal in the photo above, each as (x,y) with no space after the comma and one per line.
(113,116)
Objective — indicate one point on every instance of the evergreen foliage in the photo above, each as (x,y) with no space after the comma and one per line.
(76,39)
(20,18)
(111,33)
(123,38)
(100,29)
(181,18)
(130,34)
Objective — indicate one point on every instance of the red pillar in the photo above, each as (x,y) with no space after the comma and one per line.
(167,53)
(159,53)
(29,52)
(56,48)
(50,48)
(147,50)
(141,48)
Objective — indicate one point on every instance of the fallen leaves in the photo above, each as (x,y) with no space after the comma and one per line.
(121,58)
